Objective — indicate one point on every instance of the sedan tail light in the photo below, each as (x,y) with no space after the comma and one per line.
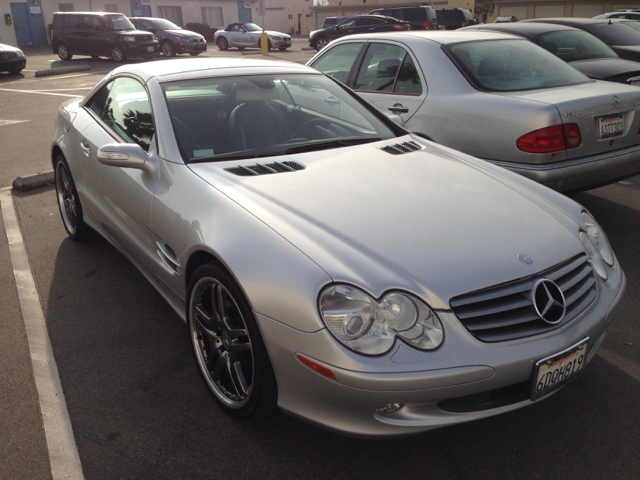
(397,26)
(550,139)
(425,25)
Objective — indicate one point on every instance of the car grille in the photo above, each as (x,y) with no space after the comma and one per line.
(401,148)
(8,55)
(506,312)
(197,40)
(144,38)
(266,169)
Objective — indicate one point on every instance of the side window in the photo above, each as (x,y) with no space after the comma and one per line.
(379,68)
(124,106)
(408,81)
(146,24)
(73,21)
(337,61)
(91,22)
(347,24)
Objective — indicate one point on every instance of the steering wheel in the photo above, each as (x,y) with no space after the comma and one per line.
(308,130)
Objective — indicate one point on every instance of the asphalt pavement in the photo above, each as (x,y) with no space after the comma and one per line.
(138,408)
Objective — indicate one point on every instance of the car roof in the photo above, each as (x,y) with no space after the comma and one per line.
(443,37)
(573,20)
(90,13)
(179,69)
(528,30)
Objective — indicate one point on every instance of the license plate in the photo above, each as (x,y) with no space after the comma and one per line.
(557,370)
(149,49)
(611,126)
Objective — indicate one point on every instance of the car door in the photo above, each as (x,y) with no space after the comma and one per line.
(120,198)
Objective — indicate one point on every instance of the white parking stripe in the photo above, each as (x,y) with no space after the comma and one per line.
(63,454)
(11,122)
(40,93)
(627,366)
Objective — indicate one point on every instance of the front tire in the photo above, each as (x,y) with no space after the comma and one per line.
(168,49)
(222,43)
(69,202)
(320,43)
(227,345)
(63,52)
(117,53)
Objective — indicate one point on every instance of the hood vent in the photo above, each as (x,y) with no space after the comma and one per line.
(266,169)
(401,148)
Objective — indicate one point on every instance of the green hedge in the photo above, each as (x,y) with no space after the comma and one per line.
(202,28)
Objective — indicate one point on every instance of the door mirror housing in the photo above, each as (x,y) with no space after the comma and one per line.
(397,119)
(125,155)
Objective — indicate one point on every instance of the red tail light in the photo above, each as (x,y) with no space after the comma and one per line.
(464,24)
(397,26)
(425,25)
(550,139)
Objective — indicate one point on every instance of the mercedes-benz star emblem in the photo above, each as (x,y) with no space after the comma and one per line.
(524,258)
(548,301)
(615,101)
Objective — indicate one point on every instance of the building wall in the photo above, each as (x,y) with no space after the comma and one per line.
(524,9)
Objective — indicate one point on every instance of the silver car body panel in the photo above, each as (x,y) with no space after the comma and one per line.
(488,124)
(285,237)
(252,39)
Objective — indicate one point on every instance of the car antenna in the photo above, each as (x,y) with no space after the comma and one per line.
(610,22)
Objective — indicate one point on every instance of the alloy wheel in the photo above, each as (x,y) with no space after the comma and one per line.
(66,198)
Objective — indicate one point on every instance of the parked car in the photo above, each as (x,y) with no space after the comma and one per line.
(498,97)
(100,34)
(245,35)
(12,59)
(318,39)
(622,39)
(506,19)
(454,18)
(631,23)
(578,48)
(173,39)
(332,21)
(420,18)
(629,15)
(324,259)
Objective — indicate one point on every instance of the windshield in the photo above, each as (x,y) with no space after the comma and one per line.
(571,46)
(118,22)
(252,27)
(616,34)
(511,65)
(163,24)
(226,118)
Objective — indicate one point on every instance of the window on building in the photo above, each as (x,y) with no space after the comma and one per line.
(66,7)
(110,7)
(212,16)
(173,14)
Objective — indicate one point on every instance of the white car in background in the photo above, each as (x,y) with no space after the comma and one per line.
(247,35)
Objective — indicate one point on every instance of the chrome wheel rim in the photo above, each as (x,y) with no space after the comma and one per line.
(66,198)
(116,54)
(221,342)
(63,52)
(321,43)
(167,49)
(222,44)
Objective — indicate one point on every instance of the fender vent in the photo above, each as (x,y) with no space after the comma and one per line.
(266,169)
(401,148)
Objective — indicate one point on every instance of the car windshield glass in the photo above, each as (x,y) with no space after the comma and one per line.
(163,24)
(118,22)
(511,65)
(268,115)
(571,46)
(252,27)
(616,34)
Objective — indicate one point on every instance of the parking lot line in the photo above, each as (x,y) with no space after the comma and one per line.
(40,92)
(63,454)
(627,366)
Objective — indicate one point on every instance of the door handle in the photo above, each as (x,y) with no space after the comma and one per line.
(84,145)
(398,108)
(332,101)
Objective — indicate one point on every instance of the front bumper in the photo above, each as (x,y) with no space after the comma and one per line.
(13,64)
(280,43)
(581,173)
(425,382)
(142,49)
(191,47)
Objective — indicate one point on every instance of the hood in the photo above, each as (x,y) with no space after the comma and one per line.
(629,52)
(425,221)
(135,32)
(272,33)
(611,68)
(8,48)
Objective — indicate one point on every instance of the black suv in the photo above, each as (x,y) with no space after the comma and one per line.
(420,18)
(100,34)
(318,39)
(454,18)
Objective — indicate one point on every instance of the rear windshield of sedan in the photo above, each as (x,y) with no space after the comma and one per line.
(511,65)
(616,34)
(253,116)
(572,46)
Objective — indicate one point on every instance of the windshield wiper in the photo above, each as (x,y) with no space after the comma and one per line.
(332,144)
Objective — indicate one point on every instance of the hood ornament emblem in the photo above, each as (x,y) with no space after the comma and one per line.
(548,301)
(526,259)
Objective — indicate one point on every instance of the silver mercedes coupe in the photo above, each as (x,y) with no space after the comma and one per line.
(325,260)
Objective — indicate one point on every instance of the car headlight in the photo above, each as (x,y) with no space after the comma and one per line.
(129,39)
(369,326)
(594,255)
(20,52)
(597,236)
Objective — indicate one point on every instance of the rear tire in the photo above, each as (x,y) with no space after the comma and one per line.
(63,52)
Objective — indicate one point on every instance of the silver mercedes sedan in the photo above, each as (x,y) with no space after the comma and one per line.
(325,260)
(498,97)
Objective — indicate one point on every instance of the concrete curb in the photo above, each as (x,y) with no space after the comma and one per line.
(36,180)
(61,70)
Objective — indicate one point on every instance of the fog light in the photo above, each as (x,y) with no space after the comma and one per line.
(389,409)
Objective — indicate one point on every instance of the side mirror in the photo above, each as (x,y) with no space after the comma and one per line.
(152,30)
(125,155)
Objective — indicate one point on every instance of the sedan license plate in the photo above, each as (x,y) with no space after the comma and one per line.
(149,49)
(611,126)
(557,370)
